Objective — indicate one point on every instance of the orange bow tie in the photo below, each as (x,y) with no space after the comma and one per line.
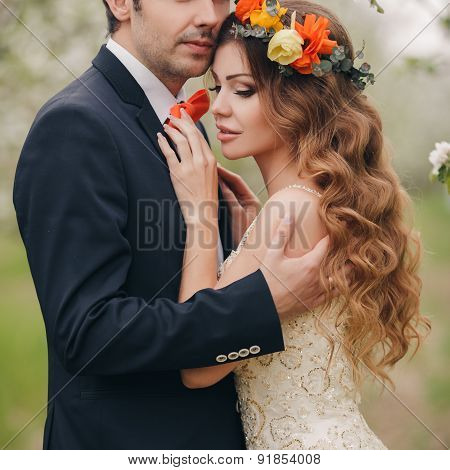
(196,106)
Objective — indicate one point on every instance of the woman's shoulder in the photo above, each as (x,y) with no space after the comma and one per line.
(302,206)
(301,203)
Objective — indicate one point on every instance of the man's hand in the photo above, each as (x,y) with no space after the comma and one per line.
(243,204)
(294,282)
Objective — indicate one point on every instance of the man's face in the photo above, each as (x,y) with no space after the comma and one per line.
(176,38)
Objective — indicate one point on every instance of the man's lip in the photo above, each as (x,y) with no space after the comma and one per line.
(201,43)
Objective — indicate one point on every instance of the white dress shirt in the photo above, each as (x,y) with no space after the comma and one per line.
(159,96)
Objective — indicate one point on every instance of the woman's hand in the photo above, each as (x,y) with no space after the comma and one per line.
(243,204)
(194,178)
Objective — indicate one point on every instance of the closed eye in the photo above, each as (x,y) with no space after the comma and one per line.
(216,88)
(243,93)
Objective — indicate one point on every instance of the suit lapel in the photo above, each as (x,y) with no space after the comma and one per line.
(130,92)
(152,125)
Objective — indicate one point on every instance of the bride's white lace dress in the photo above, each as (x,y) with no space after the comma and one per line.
(288,401)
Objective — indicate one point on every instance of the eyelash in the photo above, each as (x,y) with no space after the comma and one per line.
(243,93)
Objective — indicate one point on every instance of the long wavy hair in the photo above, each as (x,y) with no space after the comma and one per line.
(336,136)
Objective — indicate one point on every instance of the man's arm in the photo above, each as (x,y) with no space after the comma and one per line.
(310,230)
(72,208)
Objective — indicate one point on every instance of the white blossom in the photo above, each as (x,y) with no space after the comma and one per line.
(439,156)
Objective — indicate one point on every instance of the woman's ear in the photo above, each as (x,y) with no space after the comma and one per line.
(121,9)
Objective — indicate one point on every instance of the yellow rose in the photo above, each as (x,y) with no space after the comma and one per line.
(285,47)
(264,19)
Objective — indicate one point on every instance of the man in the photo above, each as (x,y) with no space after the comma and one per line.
(89,173)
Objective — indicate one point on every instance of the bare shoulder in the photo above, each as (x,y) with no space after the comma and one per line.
(309,229)
(304,207)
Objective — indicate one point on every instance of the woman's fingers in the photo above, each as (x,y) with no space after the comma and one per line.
(236,184)
(229,196)
(189,131)
(227,175)
(180,141)
(207,153)
(166,149)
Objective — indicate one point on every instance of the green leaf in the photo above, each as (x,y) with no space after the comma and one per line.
(326,66)
(317,70)
(285,70)
(271,7)
(360,84)
(442,174)
(259,32)
(346,65)
(375,4)
(364,68)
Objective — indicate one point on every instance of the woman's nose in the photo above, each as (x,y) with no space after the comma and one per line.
(220,106)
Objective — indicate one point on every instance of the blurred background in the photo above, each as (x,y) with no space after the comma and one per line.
(50,42)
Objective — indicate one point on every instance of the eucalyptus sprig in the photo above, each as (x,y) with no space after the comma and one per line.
(340,61)
(271,7)
(252,31)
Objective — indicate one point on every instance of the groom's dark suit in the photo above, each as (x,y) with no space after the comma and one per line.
(104,237)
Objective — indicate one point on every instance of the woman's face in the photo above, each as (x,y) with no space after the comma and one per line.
(243,129)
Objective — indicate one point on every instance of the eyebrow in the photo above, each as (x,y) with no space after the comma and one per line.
(230,77)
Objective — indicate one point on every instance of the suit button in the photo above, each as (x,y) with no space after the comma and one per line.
(244,352)
(221,358)
(233,355)
(255,349)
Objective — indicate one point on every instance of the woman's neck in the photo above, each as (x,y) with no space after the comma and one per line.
(279,170)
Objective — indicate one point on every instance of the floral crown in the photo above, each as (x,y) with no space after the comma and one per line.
(296,48)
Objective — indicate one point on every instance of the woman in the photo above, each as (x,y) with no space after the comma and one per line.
(319,146)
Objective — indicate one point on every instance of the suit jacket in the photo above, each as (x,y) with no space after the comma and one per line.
(104,236)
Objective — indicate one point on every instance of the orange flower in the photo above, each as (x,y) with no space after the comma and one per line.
(316,42)
(245,7)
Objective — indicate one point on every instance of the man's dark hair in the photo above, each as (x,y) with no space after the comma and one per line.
(113,22)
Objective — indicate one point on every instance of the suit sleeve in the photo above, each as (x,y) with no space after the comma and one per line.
(71,203)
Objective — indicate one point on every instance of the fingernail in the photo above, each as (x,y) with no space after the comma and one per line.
(287,220)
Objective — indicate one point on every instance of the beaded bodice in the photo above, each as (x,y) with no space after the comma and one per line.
(288,400)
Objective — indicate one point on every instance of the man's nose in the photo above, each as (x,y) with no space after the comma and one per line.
(207,15)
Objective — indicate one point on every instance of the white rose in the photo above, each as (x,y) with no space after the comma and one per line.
(439,156)
(285,47)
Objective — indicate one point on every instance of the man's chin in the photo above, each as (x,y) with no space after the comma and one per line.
(196,68)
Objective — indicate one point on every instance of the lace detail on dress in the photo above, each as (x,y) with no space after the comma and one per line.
(287,400)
